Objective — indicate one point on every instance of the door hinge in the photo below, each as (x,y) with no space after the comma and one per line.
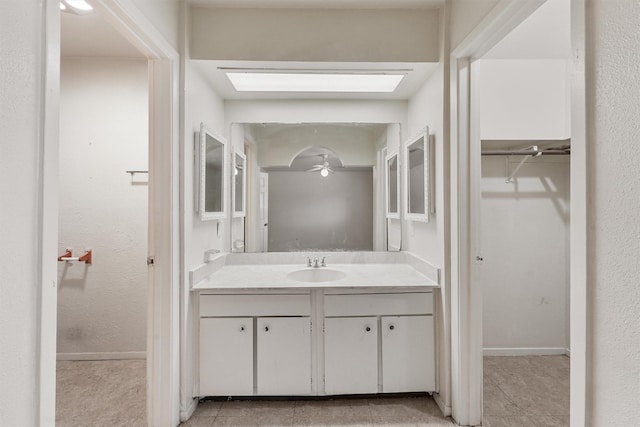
(150,260)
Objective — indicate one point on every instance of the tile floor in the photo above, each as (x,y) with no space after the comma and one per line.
(530,391)
(526,391)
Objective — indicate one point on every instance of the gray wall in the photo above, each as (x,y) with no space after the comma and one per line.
(308,212)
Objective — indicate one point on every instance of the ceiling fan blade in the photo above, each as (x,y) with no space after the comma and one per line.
(314,168)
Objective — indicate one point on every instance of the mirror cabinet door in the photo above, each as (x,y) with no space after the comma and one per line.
(417,175)
(212,175)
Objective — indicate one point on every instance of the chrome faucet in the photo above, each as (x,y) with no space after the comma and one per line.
(315,262)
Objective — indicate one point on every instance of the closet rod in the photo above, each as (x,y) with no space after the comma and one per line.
(551,152)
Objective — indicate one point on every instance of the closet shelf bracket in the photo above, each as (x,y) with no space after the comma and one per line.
(512,174)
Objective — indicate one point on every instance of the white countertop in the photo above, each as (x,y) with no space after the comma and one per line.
(274,276)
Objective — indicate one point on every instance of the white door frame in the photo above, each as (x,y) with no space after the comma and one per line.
(466,295)
(163,296)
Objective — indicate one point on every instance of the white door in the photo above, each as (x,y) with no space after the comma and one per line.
(283,356)
(226,356)
(264,210)
(351,355)
(408,356)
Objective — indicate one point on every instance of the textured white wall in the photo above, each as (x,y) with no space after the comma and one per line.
(524,227)
(201,104)
(613,89)
(26,255)
(425,109)
(103,133)
(334,35)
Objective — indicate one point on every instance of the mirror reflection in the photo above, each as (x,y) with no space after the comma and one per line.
(239,174)
(211,197)
(319,186)
(417,157)
(392,186)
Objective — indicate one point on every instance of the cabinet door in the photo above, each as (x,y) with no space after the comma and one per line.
(351,355)
(408,355)
(226,356)
(283,355)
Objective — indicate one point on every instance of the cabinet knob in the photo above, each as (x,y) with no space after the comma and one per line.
(392,327)
(241,328)
(266,329)
(368,328)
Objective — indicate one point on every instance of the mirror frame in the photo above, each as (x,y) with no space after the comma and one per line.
(202,167)
(426,194)
(389,214)
(241,213)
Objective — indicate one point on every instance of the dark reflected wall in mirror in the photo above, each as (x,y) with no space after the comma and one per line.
(311,212)
(416,182)
(213,175)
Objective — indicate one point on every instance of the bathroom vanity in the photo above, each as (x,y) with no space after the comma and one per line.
(270,327)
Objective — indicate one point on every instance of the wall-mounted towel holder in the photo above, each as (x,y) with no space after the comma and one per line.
(87,257)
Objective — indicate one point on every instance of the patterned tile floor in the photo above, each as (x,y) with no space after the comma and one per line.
(528,391)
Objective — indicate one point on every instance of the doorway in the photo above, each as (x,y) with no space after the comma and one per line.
(103,208)
(162,406)
(467,251)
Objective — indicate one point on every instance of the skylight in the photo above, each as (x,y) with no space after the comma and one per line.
(313,82)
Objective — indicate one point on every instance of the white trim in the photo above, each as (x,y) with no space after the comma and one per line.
(189,410)
(110,355)
(526,351)
(163,326)
(47,213)
(579,181)
(466,295)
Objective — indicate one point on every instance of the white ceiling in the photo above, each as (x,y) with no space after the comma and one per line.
(325,4)
(416,74)
(92,35)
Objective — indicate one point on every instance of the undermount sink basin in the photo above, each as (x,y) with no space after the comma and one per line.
(316,275)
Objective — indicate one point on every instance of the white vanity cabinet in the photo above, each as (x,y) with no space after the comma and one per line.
(283,356)
(255,344)
(390,349)
(367,342)
(226,356)
(351,355)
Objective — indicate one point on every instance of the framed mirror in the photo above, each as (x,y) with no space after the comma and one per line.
(392,186)
(212,183)
(239,187)
(417,177)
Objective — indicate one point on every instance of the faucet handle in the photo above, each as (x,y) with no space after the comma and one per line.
(309,264)
(323,263)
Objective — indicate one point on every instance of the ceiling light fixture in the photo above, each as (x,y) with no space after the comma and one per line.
(314,82)
(79,7)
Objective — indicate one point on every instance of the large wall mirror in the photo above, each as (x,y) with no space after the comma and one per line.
(212,182)
(324,186)
(417,177)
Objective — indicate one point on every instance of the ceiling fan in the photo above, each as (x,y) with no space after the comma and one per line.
(324,168)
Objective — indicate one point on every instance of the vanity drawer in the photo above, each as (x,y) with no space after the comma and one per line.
(254,305)
(378,304)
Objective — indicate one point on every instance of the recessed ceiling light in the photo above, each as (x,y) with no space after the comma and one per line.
(78,7)
(313,82)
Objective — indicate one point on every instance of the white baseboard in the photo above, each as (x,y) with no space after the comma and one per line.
(115,355)
(446,410)
(525,351)
(187,413)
